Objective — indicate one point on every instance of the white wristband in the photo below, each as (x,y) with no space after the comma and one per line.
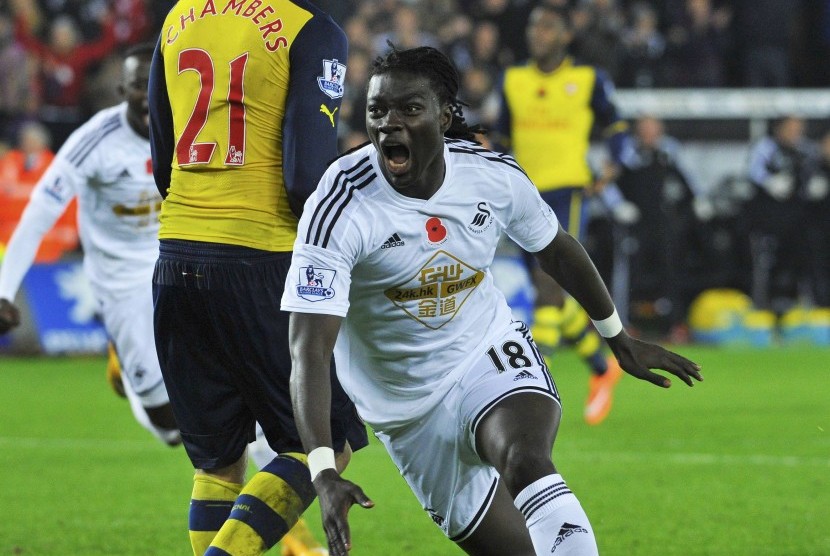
(320,459)
(610,327)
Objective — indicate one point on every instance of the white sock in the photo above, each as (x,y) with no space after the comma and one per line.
(557,523)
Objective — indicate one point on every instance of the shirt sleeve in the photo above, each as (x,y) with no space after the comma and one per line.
(48,201)
(161,123)
(319,279)
(532,224)
(315,91)
(613,128)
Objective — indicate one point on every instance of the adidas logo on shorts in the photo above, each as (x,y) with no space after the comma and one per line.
(393,241)
(524,375)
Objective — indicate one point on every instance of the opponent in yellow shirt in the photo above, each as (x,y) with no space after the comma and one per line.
(244,98)
(550,108)
(251,86)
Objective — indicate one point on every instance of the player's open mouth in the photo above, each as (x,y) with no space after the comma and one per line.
(396,158)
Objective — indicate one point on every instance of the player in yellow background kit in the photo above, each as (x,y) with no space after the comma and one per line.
(243,102)
(550,106)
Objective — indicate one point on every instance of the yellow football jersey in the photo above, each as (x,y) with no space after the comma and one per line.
(243,95)
(549,117)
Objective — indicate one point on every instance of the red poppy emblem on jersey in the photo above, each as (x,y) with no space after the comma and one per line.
(436,232)
(149,166)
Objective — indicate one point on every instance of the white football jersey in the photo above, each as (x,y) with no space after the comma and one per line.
(107,166)
(411,276)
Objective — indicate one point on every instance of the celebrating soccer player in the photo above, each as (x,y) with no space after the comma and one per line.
(403,232)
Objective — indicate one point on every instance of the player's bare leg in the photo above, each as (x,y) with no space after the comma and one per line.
(522,456)
(502,531)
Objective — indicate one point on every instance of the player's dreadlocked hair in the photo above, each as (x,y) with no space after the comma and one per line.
(433,64)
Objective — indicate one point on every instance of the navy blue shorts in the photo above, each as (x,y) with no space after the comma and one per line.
(222,343)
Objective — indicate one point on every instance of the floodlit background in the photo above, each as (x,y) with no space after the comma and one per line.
(736,466)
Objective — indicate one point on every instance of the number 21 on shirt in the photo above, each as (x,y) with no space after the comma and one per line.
(188,150)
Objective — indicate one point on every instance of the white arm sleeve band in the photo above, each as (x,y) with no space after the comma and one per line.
(320,459)
(609,327)
(37,219)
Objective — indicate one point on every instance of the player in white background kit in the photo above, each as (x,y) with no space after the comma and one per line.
(106,164)
(392,260)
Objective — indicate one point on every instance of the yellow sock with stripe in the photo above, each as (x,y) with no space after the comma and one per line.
(546,329)
(266,509)
(210,506)
(577,331)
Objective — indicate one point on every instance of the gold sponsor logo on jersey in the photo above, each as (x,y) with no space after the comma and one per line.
(435,295)
(137,210)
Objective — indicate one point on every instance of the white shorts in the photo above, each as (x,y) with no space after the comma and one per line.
(437,454)
(129,324)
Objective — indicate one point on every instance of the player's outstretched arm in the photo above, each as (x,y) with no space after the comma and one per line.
(312,337)
(637,358)
(9,316)
(567,262)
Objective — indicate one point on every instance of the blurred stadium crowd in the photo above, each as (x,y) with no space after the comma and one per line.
(765,234)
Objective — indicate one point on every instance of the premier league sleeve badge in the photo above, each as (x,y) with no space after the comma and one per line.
(315,283)
(331,82)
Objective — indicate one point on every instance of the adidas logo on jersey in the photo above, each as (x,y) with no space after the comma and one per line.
(566,531)
(393,241)
(525,375)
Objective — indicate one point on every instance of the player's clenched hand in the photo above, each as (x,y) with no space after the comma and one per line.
(637,358)
(9,315)
(336,496)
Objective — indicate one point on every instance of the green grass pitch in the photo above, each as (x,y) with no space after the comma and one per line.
(737,465)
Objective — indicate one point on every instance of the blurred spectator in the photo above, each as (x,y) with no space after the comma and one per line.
(454,35)
(509,17)
(435,15)
(598,27)
(817,197)
(483,48)
(406,32)
(697,44)
(658,184)
(352,123)
(779,168)
(643,49)
(812,45)
(357,31)
(478,93)
(16,100)
(764,32)
(20,169)
(133,21)
(63,65)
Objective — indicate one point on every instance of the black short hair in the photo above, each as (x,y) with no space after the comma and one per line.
(439,69)
(140,49)
(564,12)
